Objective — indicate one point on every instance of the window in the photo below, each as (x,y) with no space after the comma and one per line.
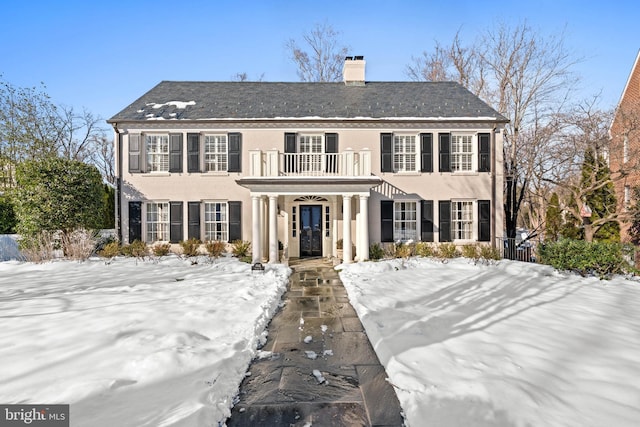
(462,220)
(216,224)
(405,223)
(293,222)
(310,149)
(215,153)
(404,153)
(157,153)
(157,221)
(627,196)
(625,149)
(461,153)
(327,221)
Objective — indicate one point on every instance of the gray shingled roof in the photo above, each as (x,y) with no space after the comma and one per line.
(268,100)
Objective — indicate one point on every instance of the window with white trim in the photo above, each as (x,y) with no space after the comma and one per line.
(215,153)
(157,221)
(405,221)
(216,221)
(461,153)
(627,196)
(462,220)
(157,153)
(625,149)
(404,153)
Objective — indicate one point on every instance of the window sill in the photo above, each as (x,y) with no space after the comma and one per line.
(155,174)
(408,173)
(222,173)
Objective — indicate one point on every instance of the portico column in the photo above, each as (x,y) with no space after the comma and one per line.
(346,229)
(363,229)
(255,229)
(273,229)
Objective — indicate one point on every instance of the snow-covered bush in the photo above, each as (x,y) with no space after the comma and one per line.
(448,250)
(161,249)
(426,249)
(240,248)
(136,249)
(190,247)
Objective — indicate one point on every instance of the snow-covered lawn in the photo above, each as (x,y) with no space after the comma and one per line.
(133,343)
(167,343)
(512,344)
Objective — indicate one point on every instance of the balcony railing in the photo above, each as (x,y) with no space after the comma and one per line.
(272,163)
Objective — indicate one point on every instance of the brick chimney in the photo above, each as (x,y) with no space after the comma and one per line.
(353,71)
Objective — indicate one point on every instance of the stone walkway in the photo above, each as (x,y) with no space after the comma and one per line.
(323,370)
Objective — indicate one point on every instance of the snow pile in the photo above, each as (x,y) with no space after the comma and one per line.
(178,104)
(133,343)
(512,344)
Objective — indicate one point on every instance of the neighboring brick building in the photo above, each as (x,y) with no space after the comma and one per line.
(625,143)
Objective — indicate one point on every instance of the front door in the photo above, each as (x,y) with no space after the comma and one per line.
(310,230)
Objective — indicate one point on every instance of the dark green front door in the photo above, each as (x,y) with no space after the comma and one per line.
(310,231)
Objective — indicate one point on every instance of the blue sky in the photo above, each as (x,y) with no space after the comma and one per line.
(102,55)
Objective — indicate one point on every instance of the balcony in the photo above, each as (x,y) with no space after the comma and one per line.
(273,163)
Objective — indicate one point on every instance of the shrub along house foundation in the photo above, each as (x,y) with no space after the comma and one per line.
(307,164)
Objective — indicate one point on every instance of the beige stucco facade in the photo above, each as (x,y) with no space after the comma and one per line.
(348,194)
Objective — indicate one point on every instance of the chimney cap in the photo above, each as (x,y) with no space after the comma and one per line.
(358,58)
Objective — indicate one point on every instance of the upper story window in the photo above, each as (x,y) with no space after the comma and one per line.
(404,153)
(157,221)
(215,153)
(157,148)
(461,153)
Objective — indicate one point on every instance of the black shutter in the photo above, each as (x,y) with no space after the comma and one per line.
(426,222)
(444,220)
(331,148)
(386,220)
(193,226)
(386,152)
(290,147)
(445,152)
(176,233)
(235,152)
(175,152)
(193,152)
(135,154)
(426,152)
(235,221)
(484,220)
(484,152)
(135,221)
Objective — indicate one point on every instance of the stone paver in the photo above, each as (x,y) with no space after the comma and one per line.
(322,370)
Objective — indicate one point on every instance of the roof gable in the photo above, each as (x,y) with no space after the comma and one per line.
(174,100)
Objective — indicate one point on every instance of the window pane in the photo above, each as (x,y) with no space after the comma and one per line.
(404,153)
(405,223)
(157,222)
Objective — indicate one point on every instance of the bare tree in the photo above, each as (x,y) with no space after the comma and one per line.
(527,78)
(79,134)
(321,57)
(102,155)
(455,62)
(244,77)
(33,127)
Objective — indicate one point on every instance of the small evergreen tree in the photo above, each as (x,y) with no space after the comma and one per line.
(601,198)
(109,196)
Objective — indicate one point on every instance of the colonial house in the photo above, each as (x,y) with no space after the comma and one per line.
(310,166)
(624,156)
